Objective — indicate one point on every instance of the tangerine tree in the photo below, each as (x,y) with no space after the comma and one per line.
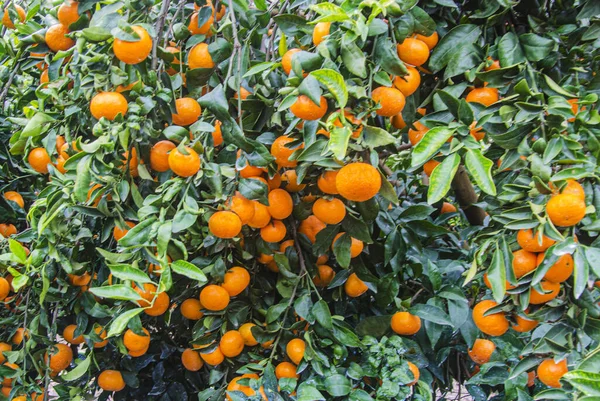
(299,200)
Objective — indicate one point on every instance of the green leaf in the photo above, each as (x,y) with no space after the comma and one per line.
(586,382)
(17,250)
(375,326)
(334,82)
(465,58)
(258,68)
(431,142)
(128,272)
(36,125)
(254,190)
(458,36)
(321,312)
(431,313)
(375,137)
(337,385)
(119,324)
(536,47)
(118,291)
(480,168)
(441,178)
(387,57)
(497,275)
(510,51)
(354,59)
(83,181)
(306,392)
(189,270)
(557,88)
(79,370)
(338,142)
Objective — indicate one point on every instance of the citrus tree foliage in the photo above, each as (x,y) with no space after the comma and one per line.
(131,129)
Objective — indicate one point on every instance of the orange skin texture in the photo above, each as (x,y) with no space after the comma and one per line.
(291,179)
(448,208)
(7,22)
(565,210)
(217,135)
(15,197)
(492,325)
(287,370)
(191,360)
(356,246)
(321,30)
(261,217)
(550,372)
(523,262)
(161,301)
(246,332)
(214,297)
(60,357)
(530,242)
(236,280)
(305,109)
(280,204)
(199,57)
(310,227)
(231,344)
(111,380)
(495,65)
(135,342)
(536,298)
(431,41)
(286,60)
(415,135)
(188,111)
(329,211)
(275,231)
(4,291)
(413,51)
(242,206)
(409,83)
(108,105)
(204,29)
(56,38)
(574,188)
(392,101)
(39,159)
(485,96)
(398,121)
(405,323)
(224,224)
(429,167)
(524,325)
(358,182)
(133,52)
(295,350)
(326,182)
(482,351)
(68,13)
(191,309)
(213,358)
(159,156)
(324,276)
(282,153)
(4,347)
(560,271)
(184,165)
(355,287)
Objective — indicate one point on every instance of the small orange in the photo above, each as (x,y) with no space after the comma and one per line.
(135,342)
(306,109)
(413,51)
(358,182)
(4,347)
(431,41)
(429,167)
(295,350)
(523,262)
(119,233)
(523,325)
(286,370)
(69,335)
(281,152)
(191,360)
(214,297)
(111,380)
(536,298)
(224,224)
(149,295)
(286,60)
(398,121)
(291,179)
(482,351)
(493,325)
(101,332)
(44,77)
(246,332)
(184,165)
(324,277)
(68,12)
(329,211)
(159,156)
(243,93)
(326,182)
(217,135)
(6,21)
(486,96)
(565,210)
(108,105)
(275,231)
(133,52)
(14,197)
(415,371)
(530,242)
(476,132)
(242,206)
(310,227)
(213,358)
(447,208)
(355,287)
(4,290)
(56,38)
(495,65)
(39,159)
(188,111)
(203,29)
(231,344)
(80,280)
(280,204)
(560,271)
(236,280)
(199,57)
(415,135)
(60,357)
(246,390)
(320,31)
(391,100)
(191,309)
(261,217)
(409,83)
(405,323)
(550,372)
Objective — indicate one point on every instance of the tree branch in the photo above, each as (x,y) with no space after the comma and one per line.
(160,26)
(466,197)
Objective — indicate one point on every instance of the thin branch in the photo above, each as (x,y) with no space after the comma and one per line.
(11,77)
(159,30)
(170,29)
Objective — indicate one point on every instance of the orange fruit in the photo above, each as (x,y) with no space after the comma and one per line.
(159,155)
(492,325)
(285,245)
(56,38)
(149,294)
(213,358)
(282,153)
(60,356)
(574,188)
(217,135)
(191,309)
(291,178)
(99,330)
(6,21)
(523,325)
(176,60)
(119,233)
(80,280)
(409,83)
(415,371)
(306,109)
(8,382)
(236,280)
(398,121)
(550,372)
(68,12)
(199,57)
(536,298)
(111,380)
(329,211)
(286,60)
(482,351)
(495,65)
(224,224)
(429,167)
(14,197)
(4,347)
(243,93)
(286,370)
(358,182)
(415,135)
(523,262)
(246,332)
(274,182)
(448,208)
(355,287)
(574,108)
(242,206)
(565,210)
(191,360)
(246,390)
(4,289)
(326,182)
(391,100)
(184,165)
(311,227)
(476,132)
(485,96)
(431,40)
(261,216)
(60,164)
(280,204)
(405,323)
(188,111)
(135,342)
(39,159)
(68,335)
(6,230)
(231,344)
(324,277)
(530,242)
(560,271)
(108,105)
(133,52)
(413,51)
(275,231)
(214,297)
(295,350)
(44,78)
(356,246)
(200,30)
(320,31)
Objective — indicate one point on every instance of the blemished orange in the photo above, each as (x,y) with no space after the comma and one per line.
(133,52)
(295,349)
(326,182)
(358,181)
(135,342)
(523,325)
(39,159)
(214,297)
(405,323)
(431,41)
(530,242)
(7,22)
(213,358)
(550,372)
(101,332)
(286,60)
(291,179)
(561,270)
(242,206)
(281,152)
(119,232)
(354,286)
(56,38)
(191,309)
(305,109)
(409,83)
(413,51)
(261,217)
(14,197)
(236,280)
(482,351)
(398,121)
(415,135)
(69,335)
(415,371)
(430,166)
(493,325)
(310,227)
(231,344)
(199,57)
(286,370)
(108,105)
(159,155)
(246,332)
(324,276)
(111,380)
(281,204)
(523,262)
(188,111)
(275,231)
(447,208)
(552,289)
(320,31)
(224,224)
(4,289)
(391,101)
(217,134)
(4,347)
(60,357)
(329,211)
(191,360)
(184,165)
(202,29)
(486,96)
(68,12)
(565,210)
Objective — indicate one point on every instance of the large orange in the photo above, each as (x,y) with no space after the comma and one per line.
(236,280)
(68,12)
(199,57)
(6,21)
(523,262)
(295,349)
(354,286)
(184,165)
(56,38)
(203,29)
(188,111)
(409,83)
(275,231)
(305,109)
(281,152)
(60,356)
(14,197)
(191,309)
(358,182)
(280,204)
(286,60)
(405,323)
(231,344)
(550,372)
(560,271)
(159,155)
(224,224)
(530,242)
(320,31)
(39,159)
(551,289)
(486,96)
(310,227)
(108,105)
(391,100)
(565,210)
(493,325)
(413,51)
(133,52)
(326,182)
(111,380)
(214,297)
(329,211)
(191,360)
(482,351)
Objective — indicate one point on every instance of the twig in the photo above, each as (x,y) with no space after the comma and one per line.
(11,77)
(160,26)
(52,335)
(237,46)
(388,171)
(170,29)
